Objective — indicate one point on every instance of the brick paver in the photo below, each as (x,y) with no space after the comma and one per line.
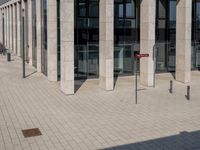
(93,118)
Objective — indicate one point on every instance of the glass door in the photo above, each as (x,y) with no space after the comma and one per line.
(171,35)
(126,35)
(166,35)
(87,39)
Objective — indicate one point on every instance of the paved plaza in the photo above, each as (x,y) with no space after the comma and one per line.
(93,118)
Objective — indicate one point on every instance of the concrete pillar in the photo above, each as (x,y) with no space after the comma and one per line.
(11,28)
(67,46)
(52,39)
(183,40)
(14,28)
(106,50)
(39,34)
(7,27)
(30,38)
(18,29)
(147,40)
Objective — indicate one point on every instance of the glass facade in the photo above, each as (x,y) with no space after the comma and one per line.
(44,37)
(34,33)
(166,35)
(86,39)
(126,35)
(196,34)
(58,39)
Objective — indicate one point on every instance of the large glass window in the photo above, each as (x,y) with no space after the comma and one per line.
(196,34)
(58,39)
(34,33)
(126,36)
(166,35)
(44,37)
(86,38)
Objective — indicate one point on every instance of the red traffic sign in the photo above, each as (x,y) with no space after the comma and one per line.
(141,55)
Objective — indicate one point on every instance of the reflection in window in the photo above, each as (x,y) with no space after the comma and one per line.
(130,8)
(126,35)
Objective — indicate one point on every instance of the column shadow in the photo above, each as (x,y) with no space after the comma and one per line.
(79,83)
(183,141)
(31,74)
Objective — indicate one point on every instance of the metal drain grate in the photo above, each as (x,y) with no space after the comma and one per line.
(31,132)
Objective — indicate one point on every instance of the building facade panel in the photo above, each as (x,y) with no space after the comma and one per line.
(70,40)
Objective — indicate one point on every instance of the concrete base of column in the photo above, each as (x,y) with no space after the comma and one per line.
(184,77)
(67,87)
(106,83)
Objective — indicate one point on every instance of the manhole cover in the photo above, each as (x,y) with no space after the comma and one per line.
(31,132)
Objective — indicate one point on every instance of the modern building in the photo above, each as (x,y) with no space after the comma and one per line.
(69,40)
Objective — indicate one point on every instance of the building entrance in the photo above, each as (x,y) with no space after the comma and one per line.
(166,35)
(86,39)
(126,35)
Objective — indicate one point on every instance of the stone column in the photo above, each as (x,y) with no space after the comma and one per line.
(30,39)
(11,28)
(7,27)
(147,40)
(183,40)
(18,29)
(39,34)
(52,39)
(14,29)
(67,46)
(106,49)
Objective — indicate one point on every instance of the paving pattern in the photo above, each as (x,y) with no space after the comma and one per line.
(93,118)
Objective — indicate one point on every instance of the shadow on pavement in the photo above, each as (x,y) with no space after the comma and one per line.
(31,74)
(78,84)
(182,141)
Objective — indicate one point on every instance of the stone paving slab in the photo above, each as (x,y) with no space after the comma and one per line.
(95,119)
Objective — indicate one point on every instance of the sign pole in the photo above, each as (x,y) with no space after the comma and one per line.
(136,82)
(137,57)
(154,58)
(23,49)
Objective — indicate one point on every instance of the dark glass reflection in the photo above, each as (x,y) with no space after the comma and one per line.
(58,40)
(44,37)
(86,38)
(196,34)
(166,35)
(34,33)
(126,36)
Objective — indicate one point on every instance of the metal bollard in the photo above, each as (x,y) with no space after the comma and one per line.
(171,87)
(188,93)
(8,57)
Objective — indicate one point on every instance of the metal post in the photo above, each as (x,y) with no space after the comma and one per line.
(136,96)
(154,58)
(23,47)
(188,92)
(171,87)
